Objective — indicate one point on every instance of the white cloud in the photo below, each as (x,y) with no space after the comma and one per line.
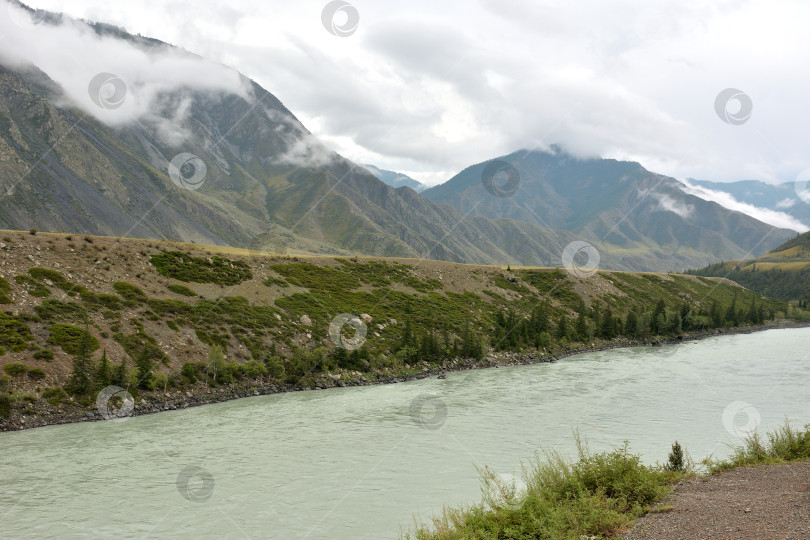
(786,203)
(766,215)
(431,86)
(114,80)
(667,203)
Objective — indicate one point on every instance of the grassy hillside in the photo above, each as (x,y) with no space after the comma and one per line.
(784,273)
(80,313)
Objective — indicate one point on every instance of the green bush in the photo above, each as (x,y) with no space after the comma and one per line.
(15,368)
(183,267)
(181,289)
(253,369)
(51,309)
(54,396)
(14,333)
(5,405)
(43,354)
(33,287)
(36,374)
(72,338)
(191,370)
(41,274)
(129,292)
(5,288)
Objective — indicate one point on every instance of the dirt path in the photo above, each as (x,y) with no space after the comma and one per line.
(747,503)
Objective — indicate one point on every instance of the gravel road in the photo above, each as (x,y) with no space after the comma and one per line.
(761,502)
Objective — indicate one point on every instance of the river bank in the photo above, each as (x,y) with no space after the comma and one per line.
(42,414)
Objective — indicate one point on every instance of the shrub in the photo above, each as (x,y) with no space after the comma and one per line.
(32,232)
(54,395)
(51,309)
(15,368)
(43,354)
(183,267)
(254,369)
(36,374)
(5,405)
(72,338)
(33,287)
(129,292)
(14,333)
(181,289)
(5,288)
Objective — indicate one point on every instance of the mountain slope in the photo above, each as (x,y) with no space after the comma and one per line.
(620,206)
(268,184)
(783,273)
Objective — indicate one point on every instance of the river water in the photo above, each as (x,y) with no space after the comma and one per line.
(363,462)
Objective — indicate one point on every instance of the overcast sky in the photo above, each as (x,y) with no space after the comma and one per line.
(428,87)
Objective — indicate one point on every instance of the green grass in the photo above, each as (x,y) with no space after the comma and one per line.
(597,495)
(183,267)
(783,445)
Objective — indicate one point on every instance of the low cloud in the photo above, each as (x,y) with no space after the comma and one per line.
(668,204)
(766,215)
(115,80)
(786,203)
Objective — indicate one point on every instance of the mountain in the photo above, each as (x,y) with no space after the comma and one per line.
(636,215)
(395,179)
(783,273)
(778,198)
(233,166)
(266,182)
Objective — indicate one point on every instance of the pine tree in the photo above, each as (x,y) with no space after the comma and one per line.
(562,327)
(608,330)
(582,328)
(81,377)
(631,324)
(655,321)
(144,364)
(104,372)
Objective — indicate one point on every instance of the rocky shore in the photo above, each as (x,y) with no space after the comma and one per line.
(41,414)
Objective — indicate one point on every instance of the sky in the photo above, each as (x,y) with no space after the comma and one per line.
(712,90)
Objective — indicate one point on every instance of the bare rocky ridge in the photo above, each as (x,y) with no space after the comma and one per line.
(748,503)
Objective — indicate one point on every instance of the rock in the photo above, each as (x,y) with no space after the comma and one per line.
(277,316)
(366,317)
(31,258)
(393,321)
(306,321)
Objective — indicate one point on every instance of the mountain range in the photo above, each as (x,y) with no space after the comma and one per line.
(247,173)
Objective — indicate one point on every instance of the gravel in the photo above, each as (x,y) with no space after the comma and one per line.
(760,502)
